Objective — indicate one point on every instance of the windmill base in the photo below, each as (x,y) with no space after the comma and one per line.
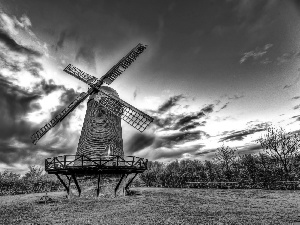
(111,176)
(100,185)
(97,185)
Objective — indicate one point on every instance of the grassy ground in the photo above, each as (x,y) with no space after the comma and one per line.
(157,206)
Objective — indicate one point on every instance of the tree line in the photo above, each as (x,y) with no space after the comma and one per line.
(279,161)
(34,181)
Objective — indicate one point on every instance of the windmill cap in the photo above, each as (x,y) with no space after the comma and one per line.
(106,89)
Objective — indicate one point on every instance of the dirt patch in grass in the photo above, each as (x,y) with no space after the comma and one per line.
(157,206)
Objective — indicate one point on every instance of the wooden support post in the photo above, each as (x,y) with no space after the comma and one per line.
(117,187)
(69,179)
(65,161)
(76,183)
(98,185)
(63,183)
(130,181)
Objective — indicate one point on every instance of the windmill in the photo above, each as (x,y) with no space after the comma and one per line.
(101,133)
(120,108)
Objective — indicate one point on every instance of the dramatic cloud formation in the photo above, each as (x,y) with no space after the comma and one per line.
(22,89)
(239,135)
(203,82)
(16,103)
(14,46)
(256,54)
(170,103)
(138,142)
(208,109)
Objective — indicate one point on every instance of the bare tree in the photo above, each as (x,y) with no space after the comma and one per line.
(248,164)
(226,156)
(282,146)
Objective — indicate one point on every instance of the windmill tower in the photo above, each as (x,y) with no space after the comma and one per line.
(101,134)
(101,131)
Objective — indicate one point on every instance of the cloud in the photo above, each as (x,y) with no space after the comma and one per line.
(208,109)
(179,122)
(296,117)
(266,61)
(223,107)
(288,56)
(235,97)
(174,153)
(254,127)
(13,26)
(15,104)
(61,40)
(138,142)
(287,86)
(250,149)
(134,94)
(185,120)
(14,46)
(170,103)
(205,152)
(296,107)
(178,138)
(165,122)
(253,17)
(175,122)
(294,82)
(240,135)
(22,88)
(7,24)
(87,55)
(190,126)
(66,34)
(297,5)
(255,54)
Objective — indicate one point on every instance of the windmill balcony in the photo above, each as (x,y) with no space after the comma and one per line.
(82,164)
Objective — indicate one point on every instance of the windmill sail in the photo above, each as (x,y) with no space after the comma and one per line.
(127,112)
(112,74)
(123,64)
(83,76)
(58,118)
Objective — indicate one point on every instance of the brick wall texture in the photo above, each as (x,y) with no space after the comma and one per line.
(101,130)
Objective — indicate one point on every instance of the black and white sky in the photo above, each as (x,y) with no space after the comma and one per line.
(215,72)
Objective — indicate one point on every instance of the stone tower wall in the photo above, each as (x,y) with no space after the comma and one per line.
(101,130)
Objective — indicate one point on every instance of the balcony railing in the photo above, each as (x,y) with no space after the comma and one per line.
(82,161)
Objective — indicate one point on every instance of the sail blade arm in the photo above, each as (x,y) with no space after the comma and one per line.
(112,74)
(83,76)
(122,109)
(58,118)
(123,64)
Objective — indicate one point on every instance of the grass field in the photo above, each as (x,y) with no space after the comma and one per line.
(157,206)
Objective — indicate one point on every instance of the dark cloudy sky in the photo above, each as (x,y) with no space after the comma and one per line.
(214,72)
